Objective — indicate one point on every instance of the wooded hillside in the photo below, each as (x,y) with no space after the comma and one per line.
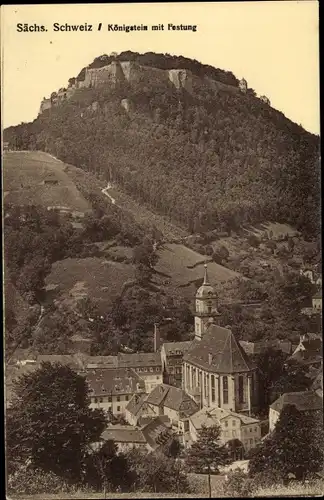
(205,161)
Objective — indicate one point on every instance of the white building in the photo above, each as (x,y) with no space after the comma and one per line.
(237,430)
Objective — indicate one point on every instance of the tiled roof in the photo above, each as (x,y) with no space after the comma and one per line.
(124,434)
(102,362)
(176,348)
(114,381)
(139,359)
(136,403)
(212,416)
(258,347)
(311,353)
(304,400)
(227,354)
(154,433)
(173,398)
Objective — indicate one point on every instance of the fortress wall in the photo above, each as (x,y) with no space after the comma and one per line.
(181,79)
(96,77)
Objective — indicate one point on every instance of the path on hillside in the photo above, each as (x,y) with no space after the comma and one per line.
(105,192)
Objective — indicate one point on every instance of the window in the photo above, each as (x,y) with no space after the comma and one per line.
(255,429)
(126,398)
(118,398)
(100,400)
(234,434)
(109,399)
(157,377)
(118,408)
(151,369)
(213,391)
(251,441)
(225,433)
(250,429)
(225,390)
(95,400)
(241,389)
(145,369)
(186,426)
(226,423)
(233,423)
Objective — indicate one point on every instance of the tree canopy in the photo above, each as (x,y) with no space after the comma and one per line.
(50,423)
(294,447)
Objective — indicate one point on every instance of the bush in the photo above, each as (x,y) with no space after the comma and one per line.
(238,484)
(30,481)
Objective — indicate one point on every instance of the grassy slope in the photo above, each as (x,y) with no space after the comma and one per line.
(24,173)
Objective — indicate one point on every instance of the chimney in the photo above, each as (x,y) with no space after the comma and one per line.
(210,358)
(156,337)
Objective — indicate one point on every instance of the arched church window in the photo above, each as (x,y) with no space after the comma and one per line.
(241,389)
(225,390)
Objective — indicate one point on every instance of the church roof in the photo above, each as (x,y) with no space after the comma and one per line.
(218,351)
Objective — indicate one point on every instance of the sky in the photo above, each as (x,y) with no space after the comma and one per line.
(273,45)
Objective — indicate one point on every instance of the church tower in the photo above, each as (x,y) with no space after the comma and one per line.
(206,307)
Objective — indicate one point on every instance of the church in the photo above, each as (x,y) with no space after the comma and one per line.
(216,371)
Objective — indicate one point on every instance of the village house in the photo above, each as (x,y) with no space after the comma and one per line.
(111,389)
(172,360)
(137,408)
(240,432)
(153,435)
(147,365)
(309,351)
(303,400)
(314,277)
(165,400)
(317,301)
(252,348)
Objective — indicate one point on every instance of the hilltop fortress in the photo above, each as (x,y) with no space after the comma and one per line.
(134,73)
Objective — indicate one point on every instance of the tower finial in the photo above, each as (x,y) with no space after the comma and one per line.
(206,281)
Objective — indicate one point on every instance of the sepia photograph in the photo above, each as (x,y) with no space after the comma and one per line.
(162,259)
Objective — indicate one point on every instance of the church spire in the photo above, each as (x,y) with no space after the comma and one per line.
(206,280)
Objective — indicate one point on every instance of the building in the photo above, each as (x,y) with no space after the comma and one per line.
(174,403)
(218,373)
(303,400)
(5,146)
(147,365)
(252,348)
(172,360)
(317,301)
(314,276)
(309,351)
(240,432)
(153,435)
(137,408)
(111,389)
